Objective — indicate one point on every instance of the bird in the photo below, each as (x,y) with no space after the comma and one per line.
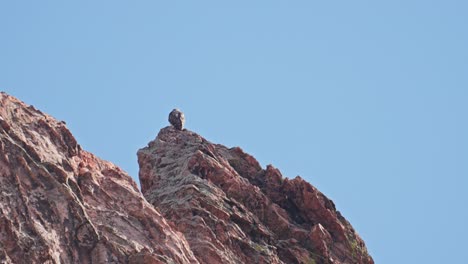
(177,119)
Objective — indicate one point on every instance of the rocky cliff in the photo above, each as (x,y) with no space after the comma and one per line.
(201,203)
(231,210)
(61,204)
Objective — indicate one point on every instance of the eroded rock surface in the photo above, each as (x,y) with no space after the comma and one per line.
(233,211)
(207,203)
(61,204)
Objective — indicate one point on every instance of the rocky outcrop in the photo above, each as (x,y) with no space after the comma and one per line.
(61,204)
(233,211)
(202,203)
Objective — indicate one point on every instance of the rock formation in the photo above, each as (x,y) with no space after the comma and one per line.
(61,204)
(202,203)
(233,211)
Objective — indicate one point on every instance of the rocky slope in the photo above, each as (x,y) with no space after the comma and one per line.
(61,204)
(233,211)
(202,203)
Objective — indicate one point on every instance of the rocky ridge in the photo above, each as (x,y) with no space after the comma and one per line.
(233,211)
(202,203)
(61,204)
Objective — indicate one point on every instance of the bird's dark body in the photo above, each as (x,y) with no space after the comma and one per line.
(177,119)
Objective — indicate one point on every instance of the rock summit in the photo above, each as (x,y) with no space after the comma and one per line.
(199,203)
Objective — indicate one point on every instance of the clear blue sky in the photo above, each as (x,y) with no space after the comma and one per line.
(367,100)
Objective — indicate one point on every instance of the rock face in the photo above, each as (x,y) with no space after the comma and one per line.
(202,203)
(233,211)
(61,204)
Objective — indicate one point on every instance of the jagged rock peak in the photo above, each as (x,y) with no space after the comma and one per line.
(203,203)
(61,204)
(231,210)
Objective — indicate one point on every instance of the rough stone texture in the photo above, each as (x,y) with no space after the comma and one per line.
(208,203)
(177,119)
(60,204)
(233,211)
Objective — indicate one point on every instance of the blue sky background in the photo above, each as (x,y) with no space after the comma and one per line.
(367,100)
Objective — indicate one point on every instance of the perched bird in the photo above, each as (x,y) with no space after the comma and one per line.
(177,119)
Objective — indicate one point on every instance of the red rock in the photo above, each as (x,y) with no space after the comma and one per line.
(233,211)
(61,204)
(202,203)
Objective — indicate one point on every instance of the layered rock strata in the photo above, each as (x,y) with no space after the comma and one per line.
(61,204)
(233,211)
(202,203)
